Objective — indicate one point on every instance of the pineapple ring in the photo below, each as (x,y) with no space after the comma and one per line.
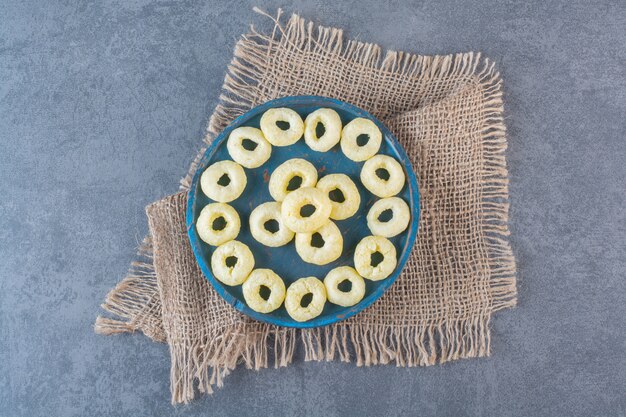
(340,297)
(237,273)
(288,170)
(398,222)
(367,247)
(351,198)
(213,177)
(332,129)
(264,213)
(295,293)
(300,199)
(375,183)
(206,226)
(252,290)
(277,136)
(248,158)
(350,145)
(331,249)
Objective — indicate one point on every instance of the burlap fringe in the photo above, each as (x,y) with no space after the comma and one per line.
(205,363)
(211,360)
(133,298)
(495,196)
(408,346)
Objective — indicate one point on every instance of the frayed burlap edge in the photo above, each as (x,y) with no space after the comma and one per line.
(135,301)
(364,343)
(204,351)
(208,361)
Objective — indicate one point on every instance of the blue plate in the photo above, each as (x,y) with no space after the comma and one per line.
(284,260)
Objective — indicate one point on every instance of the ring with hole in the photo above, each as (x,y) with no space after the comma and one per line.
(291,175)
(360,139)
(256,296)
(383,176)
(223,181)
(248,147)
(214,231)
(232,262)
(365,258)
(303,222)
(322,246)
(282,126)
(388,217)
(322,140)
(299,290)
(341,186)
(335,281)
(267,226)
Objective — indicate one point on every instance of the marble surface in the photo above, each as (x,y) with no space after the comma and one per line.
(103,104)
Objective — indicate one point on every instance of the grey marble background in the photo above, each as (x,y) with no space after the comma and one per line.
(103,104)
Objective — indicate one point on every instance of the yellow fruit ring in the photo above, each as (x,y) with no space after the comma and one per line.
(267,226)
(334,286)
(351,135)
(388,225)
(331,122)
(382,176)
(274,133)
(250,154)
(306,210)
(223,181)
(322,246)
(298,306)
(375,258)
(343,195)
(218,223)
(282,180)
(232,262)
(264,290)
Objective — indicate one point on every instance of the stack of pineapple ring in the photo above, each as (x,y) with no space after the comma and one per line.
(305,211)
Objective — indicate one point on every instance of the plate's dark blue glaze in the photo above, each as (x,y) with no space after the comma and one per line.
(284,260)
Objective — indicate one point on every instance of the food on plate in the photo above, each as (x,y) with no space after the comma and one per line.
(291,175)
(322,129)
(264,290)
(360,139)
(375,258)
(282,126)
(248,147)
(305,299)
(232,262)
(267,226)
(388,217)
(224,181)
(218,223)
(306,209)
(344,286)
(382,176)
(343,195)
(321,246)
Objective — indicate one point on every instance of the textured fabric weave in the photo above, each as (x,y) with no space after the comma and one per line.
(447,113)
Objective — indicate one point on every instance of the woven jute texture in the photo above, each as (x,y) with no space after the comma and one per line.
(447,113)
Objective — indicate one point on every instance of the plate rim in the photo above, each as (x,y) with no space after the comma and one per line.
(414,196)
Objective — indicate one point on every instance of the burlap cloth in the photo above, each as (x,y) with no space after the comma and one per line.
(447,113)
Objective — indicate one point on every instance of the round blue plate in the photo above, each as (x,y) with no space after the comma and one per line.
(284,260)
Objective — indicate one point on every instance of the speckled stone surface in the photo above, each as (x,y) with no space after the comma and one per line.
(103,104)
